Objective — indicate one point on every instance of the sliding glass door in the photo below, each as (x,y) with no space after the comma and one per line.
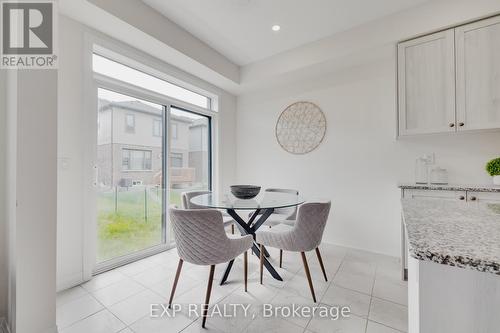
(130,164)
(190,153)
(153,142)
(132,148)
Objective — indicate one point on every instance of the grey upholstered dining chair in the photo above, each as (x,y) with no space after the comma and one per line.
(281,215)
(286,215)
(305,235)
(201,240)
(187,204)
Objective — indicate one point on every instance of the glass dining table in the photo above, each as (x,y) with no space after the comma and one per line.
(261,206)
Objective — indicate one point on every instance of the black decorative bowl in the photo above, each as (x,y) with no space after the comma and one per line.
(245,191)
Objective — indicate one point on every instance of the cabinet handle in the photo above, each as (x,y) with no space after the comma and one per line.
(461,124)
(452,125)
(473,198)
(461,197)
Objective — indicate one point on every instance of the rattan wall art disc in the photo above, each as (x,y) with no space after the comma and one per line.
(301,128)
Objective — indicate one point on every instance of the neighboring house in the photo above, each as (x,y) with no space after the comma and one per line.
(130,137)
(198,154)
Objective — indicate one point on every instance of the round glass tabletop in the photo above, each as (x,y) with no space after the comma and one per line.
(264,200)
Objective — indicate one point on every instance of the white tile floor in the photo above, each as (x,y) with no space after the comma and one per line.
(119,300)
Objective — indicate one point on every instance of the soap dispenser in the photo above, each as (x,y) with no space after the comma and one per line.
(422,166)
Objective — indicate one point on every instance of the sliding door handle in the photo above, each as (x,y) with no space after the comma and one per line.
(96,175)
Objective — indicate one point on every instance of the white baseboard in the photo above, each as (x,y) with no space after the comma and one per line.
(351,247)
(4,328)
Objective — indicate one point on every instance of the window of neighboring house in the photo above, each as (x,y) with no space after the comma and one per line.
(156,127)
(174,131)
(176,160)
(136,160)
(130,123)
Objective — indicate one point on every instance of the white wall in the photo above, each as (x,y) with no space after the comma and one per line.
(70,150)
(3,192)
(11,190)
(31,202)
(72,142)
(359,163)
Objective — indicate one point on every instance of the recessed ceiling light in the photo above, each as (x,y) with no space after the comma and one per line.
(276,27)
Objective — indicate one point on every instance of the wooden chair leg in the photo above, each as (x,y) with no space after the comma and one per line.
(321,263)
(261,261)
(232,229)
(207,297)
(245,268)
(281,257)
(179,267)
(308,274)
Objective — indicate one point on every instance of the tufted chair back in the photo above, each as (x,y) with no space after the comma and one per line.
(199,235)
(187,196)
(311,221)
(289,211)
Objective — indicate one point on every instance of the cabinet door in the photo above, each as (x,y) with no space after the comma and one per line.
(435,194)
(489,197)
(478,75)
(426,84)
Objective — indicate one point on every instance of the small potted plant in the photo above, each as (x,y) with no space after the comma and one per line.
(493,168)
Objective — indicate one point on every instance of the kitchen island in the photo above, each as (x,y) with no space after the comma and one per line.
(453,266)
(459,193)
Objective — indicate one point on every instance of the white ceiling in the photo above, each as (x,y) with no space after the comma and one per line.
(241,29)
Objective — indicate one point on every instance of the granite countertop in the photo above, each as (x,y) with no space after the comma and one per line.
(451,187)
(460,234)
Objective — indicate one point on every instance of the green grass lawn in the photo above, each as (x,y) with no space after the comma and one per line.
(126,225)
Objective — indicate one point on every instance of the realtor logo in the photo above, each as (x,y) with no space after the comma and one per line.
(28,36)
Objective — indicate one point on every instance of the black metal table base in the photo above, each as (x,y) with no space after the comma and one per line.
(249,228)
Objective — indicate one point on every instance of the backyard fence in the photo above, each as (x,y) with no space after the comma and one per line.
(142,203)
(137,201)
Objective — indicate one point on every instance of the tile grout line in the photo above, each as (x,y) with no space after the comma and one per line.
(371,298)
(385,325)
(91,291)
(90,315)
(389,301)
(293,274)
(329,285)
(106,308)
(126,298)
(234,290)
(76,298)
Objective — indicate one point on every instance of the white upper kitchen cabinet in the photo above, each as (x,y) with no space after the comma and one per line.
(426,83)
(478,75)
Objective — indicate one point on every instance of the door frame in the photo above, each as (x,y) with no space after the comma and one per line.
(94,81)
